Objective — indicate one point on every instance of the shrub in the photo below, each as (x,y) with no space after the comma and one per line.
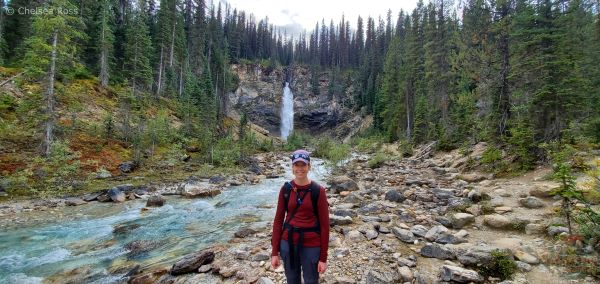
(378,160)
(502,266)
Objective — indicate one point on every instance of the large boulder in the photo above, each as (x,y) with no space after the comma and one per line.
(496,221)
(394,196)
(116,195)
(403,235)
(437,251)
(156,201)
(381,277)
(191,262)
(459,274)
(198,189)
(531,202)
(342,183)
(128,167)
(435,232)
(338,220)
(459,220)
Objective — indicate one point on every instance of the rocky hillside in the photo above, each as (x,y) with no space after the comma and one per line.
(260,93)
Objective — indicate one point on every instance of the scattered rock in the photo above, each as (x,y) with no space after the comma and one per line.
(459,220)
(354,236)
(437,251)
(74,202)
(406,274)
(459,274)
(265,280)
(403,235)
(541,191)
(337,220)
(342,183)
(532,228)
(556,230)
(435,232)
(472,177)
(419,230)
(192,262)
(103,174)
(244,232)
(128,167)
(526,257)
(381,277)
(116,195)
(496,221)
(197,189)
(394,196)
(531,202)
(156,201)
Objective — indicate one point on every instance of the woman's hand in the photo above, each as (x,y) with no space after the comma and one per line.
(321,267)
(275,261)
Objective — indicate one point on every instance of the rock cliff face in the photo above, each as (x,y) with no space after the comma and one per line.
(260,94)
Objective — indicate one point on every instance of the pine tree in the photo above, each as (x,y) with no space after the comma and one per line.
(105,41)
(50,52)
(138,51)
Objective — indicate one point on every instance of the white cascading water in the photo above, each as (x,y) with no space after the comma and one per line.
(287,112)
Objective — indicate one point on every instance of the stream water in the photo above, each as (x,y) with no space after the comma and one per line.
(99,239)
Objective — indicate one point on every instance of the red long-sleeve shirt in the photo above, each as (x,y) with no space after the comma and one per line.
(304,218)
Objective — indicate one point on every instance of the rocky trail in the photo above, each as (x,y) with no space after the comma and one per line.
(412,220)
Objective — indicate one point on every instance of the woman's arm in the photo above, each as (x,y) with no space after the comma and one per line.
(278,224)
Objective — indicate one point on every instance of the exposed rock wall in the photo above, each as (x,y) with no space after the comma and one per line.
(260,93)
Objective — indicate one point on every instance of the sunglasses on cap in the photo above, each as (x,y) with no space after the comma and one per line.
(300,156)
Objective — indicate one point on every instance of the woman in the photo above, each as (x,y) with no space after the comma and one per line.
(303,214)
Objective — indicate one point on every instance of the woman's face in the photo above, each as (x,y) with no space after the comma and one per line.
(300,169)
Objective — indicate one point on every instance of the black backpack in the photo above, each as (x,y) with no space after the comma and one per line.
(315,191)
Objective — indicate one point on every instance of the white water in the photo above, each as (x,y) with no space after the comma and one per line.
(287,112)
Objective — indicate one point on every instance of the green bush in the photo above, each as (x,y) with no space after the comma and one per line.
(296,140)
(378,160)
(502,266)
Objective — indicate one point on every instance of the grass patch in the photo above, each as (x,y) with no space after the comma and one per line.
(502,266)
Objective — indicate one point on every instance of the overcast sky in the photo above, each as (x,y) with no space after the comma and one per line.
(306,13)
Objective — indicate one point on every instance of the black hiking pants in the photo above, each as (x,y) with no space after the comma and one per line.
(309,259)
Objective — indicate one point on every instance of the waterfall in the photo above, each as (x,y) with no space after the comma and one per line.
(287,112)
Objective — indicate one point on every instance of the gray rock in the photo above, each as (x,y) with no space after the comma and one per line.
(531,229)
(403,235)
(192,262)
(344,280)
(406,274)
(205,268)
(156,201)
(354,236)
(128,167)
(447,238)
(371,234)
(337,220)
(406,262)
(381,277)
(244,232)
(242,254)
(443,193)
(116,195)
(342,183)
(419,230)
(523,267)
(459,274)
(556,230)
(103,174)
(446,222)
(541,191)
(74,202)
(435,232)
(394,196)
(459,220)
(344,212)
(496,221)
(216,179)
(477,255)
(531,202)
(197,189)
(91,196)
(526,257)
(261,256)
(437,251)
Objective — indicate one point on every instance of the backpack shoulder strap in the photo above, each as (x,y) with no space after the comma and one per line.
(315,191)
(287,189)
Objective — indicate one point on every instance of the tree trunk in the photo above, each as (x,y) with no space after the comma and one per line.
(103,53)
(504,101)
(160,69)
(172,46)
(49,125)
